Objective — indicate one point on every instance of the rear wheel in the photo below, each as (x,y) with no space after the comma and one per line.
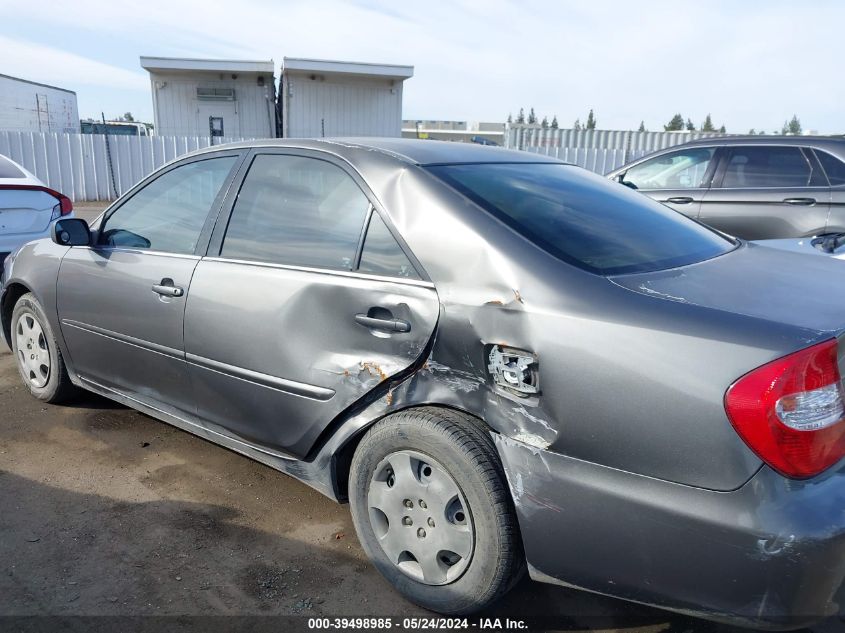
(431,508)
(39,360)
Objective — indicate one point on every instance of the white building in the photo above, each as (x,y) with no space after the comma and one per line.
(211,97)
(27,106)
(320,98)
(465,131)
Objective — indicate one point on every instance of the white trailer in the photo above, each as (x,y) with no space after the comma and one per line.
(213,98)
(321,98)
(28,106)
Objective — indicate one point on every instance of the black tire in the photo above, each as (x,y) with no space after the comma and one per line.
(465,450)
(58,387)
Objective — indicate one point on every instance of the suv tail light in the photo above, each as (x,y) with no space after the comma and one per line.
(63,206)
(791,412)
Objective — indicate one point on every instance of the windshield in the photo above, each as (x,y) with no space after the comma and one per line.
(584,219)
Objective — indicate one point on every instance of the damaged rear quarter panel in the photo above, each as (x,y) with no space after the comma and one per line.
(627,381)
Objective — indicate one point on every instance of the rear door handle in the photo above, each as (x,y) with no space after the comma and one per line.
(391,325)
(800,201)
(680,200)
(167,288)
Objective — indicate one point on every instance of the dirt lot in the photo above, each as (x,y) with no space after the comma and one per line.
(105,511)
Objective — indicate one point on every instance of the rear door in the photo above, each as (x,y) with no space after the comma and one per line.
(834,169)
(677,178)
(767,192)
(288,322)
(121,302)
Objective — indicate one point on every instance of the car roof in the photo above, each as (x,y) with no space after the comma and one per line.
(413,151)
(745,139)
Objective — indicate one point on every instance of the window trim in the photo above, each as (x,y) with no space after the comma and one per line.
(726,159)
(707,180)
(211,217)
(215,245)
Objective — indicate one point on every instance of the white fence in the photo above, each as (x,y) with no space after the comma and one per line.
(601,151)
(91,166)
(95,167)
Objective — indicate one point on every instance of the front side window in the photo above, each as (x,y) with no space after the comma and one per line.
(683,169)
(168,214)
(382,255)
(762,166)
(296,211)
(584,219)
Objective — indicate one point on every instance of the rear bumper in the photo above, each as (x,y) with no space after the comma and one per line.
(770,554)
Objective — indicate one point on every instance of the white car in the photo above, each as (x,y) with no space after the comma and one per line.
(27,207)
(829,245)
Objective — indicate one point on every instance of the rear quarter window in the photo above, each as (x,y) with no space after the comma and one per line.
(833,167)
(584,219)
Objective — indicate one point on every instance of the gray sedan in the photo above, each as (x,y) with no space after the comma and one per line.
(501,361)
(754,187)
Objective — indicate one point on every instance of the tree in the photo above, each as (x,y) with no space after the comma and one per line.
(676,123)
(532,118)
(785,129)
(708,126)
(761,133)
(521,117)
(544,123)
(795,125)
(642,127)
(510,118)
(690,125)
(752,131)
(554,122)
(577,125)
(591,121)
(128,117)
(722,130)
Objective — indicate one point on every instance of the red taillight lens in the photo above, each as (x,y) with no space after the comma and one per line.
(791,412)
(65,204)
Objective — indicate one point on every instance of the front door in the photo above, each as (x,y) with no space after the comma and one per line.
(284,327)
(678,178)
(767,192)
(121,302)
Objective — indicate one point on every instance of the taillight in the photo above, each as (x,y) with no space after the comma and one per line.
(63,206)
(791,412)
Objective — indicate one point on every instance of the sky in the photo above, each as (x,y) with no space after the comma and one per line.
(750,64)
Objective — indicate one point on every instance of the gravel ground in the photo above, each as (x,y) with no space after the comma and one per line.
(107,512)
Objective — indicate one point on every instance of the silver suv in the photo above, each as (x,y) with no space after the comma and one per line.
(749,186)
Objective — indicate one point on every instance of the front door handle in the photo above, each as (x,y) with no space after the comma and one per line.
(800,201)
(391,325)
(167,288)
(680,200)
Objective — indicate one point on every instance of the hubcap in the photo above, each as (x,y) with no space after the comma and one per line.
(33,353)
(420,518)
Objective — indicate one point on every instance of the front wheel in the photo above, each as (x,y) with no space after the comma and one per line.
(39,360)
(431,508)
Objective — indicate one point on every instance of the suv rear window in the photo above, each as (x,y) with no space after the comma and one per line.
(9,170)
(584,219)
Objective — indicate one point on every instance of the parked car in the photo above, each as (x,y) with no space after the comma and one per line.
(752,187)
(501,361)
(27,206)
(829,245)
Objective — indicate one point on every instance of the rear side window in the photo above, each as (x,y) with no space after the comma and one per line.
(9,170)
(382,255)
(297,211)
(168,214)
(763,166)
(585,219)
(833,167)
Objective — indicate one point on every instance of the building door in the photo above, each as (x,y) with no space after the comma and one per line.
(226,113)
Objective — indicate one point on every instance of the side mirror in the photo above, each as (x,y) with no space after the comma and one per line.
(71,232)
